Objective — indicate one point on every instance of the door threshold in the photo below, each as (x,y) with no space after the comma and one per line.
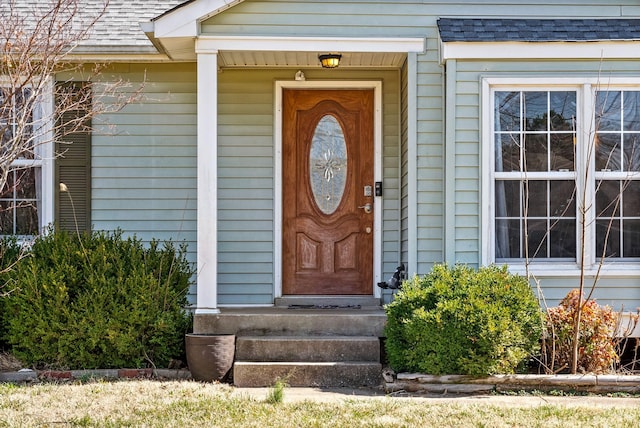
(320,302)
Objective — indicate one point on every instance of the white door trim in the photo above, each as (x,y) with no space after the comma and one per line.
(377,173)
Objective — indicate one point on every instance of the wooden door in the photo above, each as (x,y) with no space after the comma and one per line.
(327,168)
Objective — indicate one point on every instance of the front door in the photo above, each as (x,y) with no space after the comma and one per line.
(327,168)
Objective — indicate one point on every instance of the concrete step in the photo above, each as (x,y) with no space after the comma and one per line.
(293,322)
(308,348)
(345,302)
(307,374)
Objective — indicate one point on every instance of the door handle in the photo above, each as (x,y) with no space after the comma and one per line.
(366,208)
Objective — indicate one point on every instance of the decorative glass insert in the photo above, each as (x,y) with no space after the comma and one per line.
(328,164)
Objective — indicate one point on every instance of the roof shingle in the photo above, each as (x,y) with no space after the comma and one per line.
(119,27)
(537,30)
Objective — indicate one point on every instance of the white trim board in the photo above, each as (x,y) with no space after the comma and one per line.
(539,50)
(377,173)
(206,43)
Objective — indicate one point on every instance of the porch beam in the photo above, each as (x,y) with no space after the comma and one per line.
(306,44)
(207,259)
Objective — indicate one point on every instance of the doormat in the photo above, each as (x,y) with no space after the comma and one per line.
(324,306)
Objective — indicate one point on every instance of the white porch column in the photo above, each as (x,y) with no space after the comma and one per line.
(412,164)
(207,275)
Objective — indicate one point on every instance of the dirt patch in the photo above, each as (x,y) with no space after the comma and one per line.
(9,363)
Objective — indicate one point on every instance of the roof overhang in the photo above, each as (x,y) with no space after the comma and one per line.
(173,33)
(184,20)
(176,33)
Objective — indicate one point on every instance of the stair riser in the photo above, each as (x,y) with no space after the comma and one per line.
(292,323)
(280,349)
(307,374)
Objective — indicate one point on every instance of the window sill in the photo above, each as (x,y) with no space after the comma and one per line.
(611,270)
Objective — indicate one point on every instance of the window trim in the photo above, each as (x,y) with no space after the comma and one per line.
(585,88)
(44,153)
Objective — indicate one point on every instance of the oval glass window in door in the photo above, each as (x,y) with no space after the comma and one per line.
(328,164)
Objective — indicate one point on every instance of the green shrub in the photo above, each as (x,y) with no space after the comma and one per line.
(10,253)
(98,301)
(596,343)
(463,321)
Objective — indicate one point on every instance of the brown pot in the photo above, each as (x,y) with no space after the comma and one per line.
(210,356)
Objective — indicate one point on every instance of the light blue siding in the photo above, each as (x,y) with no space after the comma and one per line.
(362,18)
(144,158)
(430,162)
(619,293)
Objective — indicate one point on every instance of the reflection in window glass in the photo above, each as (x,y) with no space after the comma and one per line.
(535,219)
(508,152)
(536,175)
(507,112)
(617,217)
(608,110)
(536,112)
(535,133)
(617,159)
(20,196)
(18,204)
(536,152)
(618,131)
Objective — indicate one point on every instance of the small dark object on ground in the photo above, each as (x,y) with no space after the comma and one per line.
(395,282)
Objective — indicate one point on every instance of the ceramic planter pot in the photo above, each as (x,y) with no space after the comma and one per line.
(210,356)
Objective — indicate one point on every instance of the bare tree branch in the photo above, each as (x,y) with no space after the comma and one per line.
(40,107)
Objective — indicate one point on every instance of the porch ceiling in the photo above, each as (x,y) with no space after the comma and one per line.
(242,59)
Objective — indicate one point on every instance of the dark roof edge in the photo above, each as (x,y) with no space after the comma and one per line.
(538,30)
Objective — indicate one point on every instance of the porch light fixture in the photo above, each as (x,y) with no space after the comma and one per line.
(330,60)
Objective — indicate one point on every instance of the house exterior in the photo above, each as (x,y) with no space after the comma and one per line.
(459,131)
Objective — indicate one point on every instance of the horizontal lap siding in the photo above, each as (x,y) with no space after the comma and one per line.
(246,178)
(144,159)
(430,161)
(617,292)
(390,18)
(467,172)
(245,187)
(335,18)
(391,172)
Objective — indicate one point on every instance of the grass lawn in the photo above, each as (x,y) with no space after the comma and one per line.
(179,404)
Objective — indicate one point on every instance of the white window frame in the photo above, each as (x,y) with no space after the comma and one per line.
(43,153)
(585,99)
